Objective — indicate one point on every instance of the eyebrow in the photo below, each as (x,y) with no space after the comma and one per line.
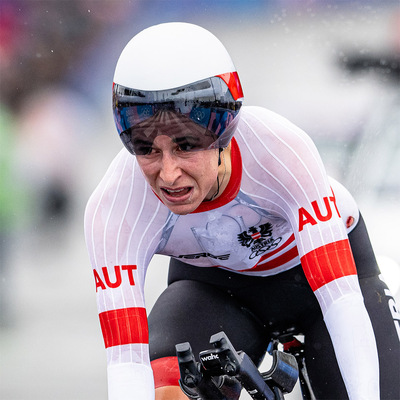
(142,140)
(186,139)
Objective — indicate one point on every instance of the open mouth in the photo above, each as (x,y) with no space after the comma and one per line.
(177,193)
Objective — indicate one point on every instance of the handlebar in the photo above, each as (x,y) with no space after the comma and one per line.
(222,371)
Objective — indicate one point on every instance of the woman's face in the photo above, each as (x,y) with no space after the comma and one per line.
(181,179)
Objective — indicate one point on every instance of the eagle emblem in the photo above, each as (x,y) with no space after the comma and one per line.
(259,239)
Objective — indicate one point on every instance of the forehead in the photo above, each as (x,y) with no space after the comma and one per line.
(166,117)
(167,141)
(177,128)
(169,123)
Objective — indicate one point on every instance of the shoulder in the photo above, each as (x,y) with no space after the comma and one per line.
(122,188)
(121,208)
(275,142)
(262,124)
(281,158)
(119,170)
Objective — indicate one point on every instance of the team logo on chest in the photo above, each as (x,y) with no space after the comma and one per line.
(259,239)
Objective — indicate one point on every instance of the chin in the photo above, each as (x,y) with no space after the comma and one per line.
(183,209)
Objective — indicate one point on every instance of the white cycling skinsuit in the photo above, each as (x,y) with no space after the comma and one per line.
(279,209)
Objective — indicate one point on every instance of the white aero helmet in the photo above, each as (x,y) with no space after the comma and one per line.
(176,79)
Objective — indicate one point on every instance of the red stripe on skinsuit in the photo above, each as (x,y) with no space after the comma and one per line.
(124,326)
(327,263)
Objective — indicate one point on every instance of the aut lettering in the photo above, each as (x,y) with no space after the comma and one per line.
(103,281)
(318,213)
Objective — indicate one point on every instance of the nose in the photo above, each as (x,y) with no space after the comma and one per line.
(170,169)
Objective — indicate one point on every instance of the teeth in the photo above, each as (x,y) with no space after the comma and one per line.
(175,190)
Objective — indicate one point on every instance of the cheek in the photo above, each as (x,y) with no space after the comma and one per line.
(208,174)
(206,161)
(147,170)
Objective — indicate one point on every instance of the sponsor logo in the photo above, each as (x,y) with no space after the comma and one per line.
(259,240)
(200,255)
(210,357)
(317,213)
(394,310)
(103,280)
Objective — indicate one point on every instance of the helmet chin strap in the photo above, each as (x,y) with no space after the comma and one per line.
(219,155)
(220,150)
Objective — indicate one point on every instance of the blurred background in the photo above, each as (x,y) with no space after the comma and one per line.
(332,67)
